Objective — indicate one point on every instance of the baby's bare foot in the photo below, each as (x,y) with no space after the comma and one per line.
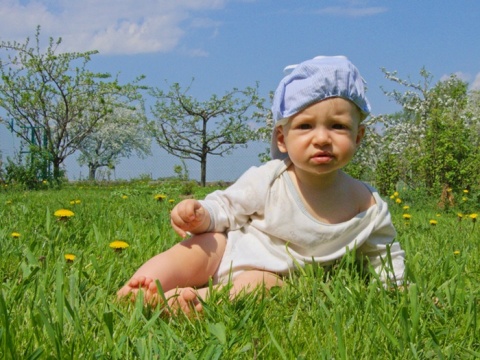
(185,300)
(131,288)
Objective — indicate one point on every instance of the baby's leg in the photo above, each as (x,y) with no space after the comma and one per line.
(189,263)
(251,280)
(188,299)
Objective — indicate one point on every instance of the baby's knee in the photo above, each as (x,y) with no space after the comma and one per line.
(208,243)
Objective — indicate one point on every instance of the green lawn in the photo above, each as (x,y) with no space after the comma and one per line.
(54,308)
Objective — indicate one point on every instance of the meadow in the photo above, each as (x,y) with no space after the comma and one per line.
(59,277)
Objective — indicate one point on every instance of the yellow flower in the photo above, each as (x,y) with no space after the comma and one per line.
(438,215)
(392,197)
(15,235)
(160,197)
(398,200)
(460,216)
(119,245)
(449,190)
(465,191)
(74,202)
(464,198)
(407,216)
(124,197)
(70,257)
(406,207)
(171,201)
(456,252)
(473,217)
(63,214)
(395,194)
(433,222)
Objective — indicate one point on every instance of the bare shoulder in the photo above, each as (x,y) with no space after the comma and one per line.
(361,194)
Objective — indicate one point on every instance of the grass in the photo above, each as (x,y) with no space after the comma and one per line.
(51,308)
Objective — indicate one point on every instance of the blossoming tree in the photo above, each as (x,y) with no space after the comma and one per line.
(431,142)
(120,134)
(191,129)
(52,101)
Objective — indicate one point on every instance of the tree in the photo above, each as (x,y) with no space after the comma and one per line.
(120,134)
(190,129)
(431,138)
(52,101)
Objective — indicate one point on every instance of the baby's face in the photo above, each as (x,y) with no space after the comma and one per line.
(323,137)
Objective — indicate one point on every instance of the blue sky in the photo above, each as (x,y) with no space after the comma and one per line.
(225,44)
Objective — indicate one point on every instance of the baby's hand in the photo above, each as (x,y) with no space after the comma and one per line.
(187,216)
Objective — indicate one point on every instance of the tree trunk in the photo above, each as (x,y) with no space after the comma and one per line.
(203,171)
(56,169)
(92,171)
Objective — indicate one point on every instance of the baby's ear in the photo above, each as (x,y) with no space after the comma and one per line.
(281,138)
(360,134)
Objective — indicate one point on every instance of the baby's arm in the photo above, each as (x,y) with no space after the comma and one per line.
(385,255)
(189,216)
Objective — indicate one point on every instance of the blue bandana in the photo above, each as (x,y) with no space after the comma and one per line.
(312,81)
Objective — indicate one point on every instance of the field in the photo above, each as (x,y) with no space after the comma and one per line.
(60,275)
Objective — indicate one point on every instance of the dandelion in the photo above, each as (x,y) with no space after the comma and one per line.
(406,207)
(75,202)
(70,257)
(464,198)
(15,235)
(392,197)
(474,219)
(124,197)
(160,197)
(396,194)
(459,216)
(438,215)
(407,216)
(119,245)
(171,201)
(465,191)
(63,214)
(398,200)
(433,222)
(456,252)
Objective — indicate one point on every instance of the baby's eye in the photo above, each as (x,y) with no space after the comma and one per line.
(304,126)
(339,127)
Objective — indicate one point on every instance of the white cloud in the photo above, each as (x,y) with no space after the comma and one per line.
(352,8)
(109,26)
(460,75)
(352,11)
(475,85)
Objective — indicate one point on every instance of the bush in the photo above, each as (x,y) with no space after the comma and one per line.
(31,173)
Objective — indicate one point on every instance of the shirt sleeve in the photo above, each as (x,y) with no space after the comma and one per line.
(383,253)
(232,208)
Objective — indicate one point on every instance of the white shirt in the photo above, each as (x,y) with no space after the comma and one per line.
(268,228)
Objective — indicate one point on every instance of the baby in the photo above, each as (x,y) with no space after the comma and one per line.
(296,209)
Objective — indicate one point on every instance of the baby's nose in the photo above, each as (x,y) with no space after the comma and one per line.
(321,135)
